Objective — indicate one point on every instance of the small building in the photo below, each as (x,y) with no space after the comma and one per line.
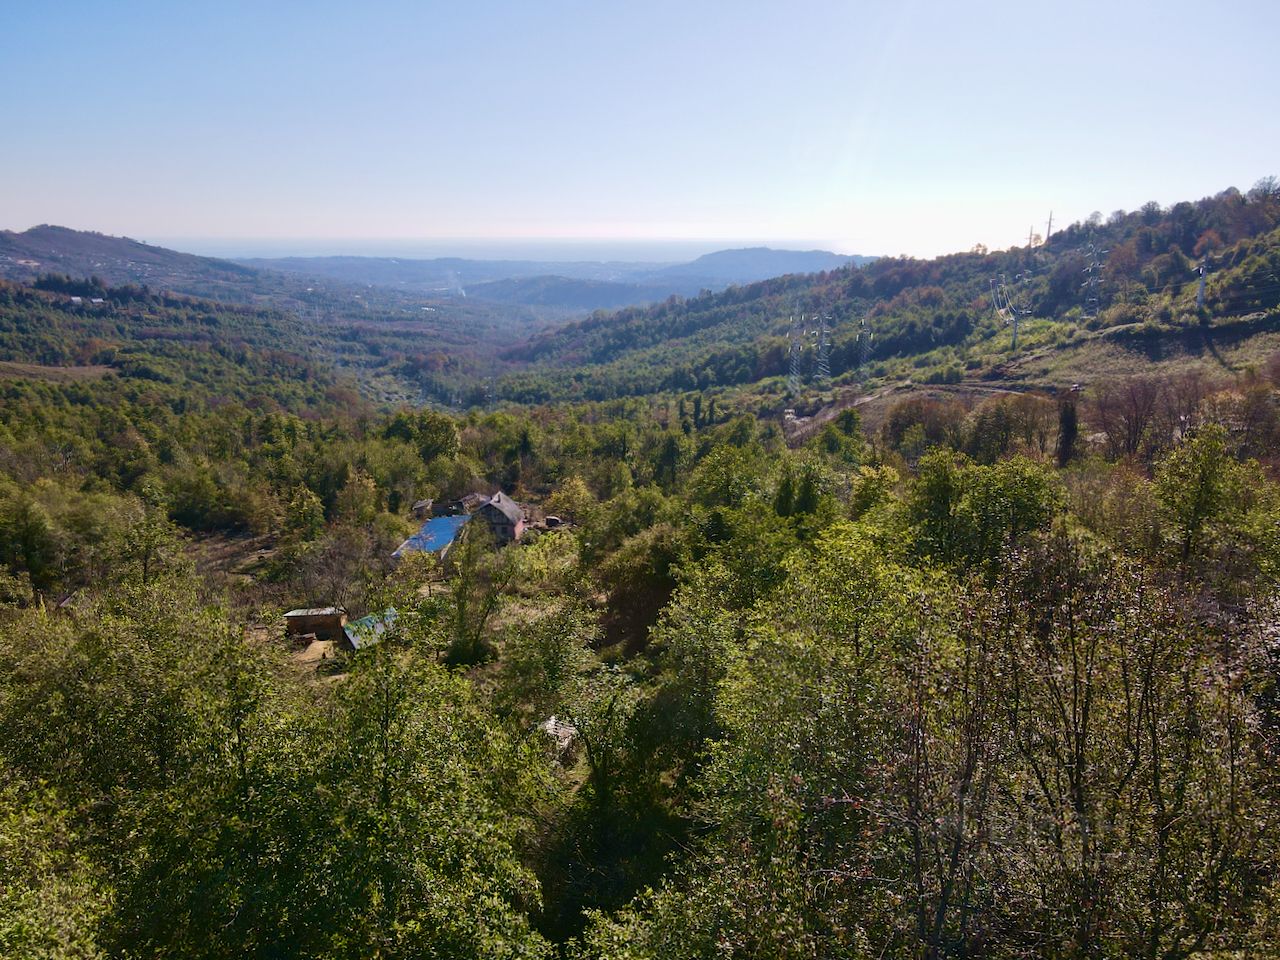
(366,631)
(504,516)
(422,509)
(560,731)
(323,623)
(454,508)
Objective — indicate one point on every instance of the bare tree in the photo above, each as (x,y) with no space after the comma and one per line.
(1124,411)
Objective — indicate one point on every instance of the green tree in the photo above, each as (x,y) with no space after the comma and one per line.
(1068,431)
(601,714)
(968,513)
(934,503)
(151,541)
(430,803)
(545,660)
(50,896)
(304,516)
(358,500)
(481,577)
(1197,485)
(28,540)
(573,500)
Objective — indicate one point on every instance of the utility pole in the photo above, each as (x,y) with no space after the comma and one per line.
(1048,231)
(1000,301)
(1204,272)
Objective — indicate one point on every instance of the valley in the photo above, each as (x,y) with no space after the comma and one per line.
(730,580)
(664,481)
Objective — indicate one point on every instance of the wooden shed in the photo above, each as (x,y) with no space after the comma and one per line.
(324,623)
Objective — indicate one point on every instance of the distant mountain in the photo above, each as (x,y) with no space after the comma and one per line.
(554,286)
(566,286)
(445,275)
(119,260)
(759,263)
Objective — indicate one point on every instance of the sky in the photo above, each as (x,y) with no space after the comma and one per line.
(428,127)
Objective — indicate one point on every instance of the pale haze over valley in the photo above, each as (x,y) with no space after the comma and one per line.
(402,128)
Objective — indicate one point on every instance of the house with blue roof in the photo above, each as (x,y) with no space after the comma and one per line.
(436,536)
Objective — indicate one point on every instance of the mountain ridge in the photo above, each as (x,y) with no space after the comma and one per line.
(48,248)
(571,285)
(941,320)
(558,288)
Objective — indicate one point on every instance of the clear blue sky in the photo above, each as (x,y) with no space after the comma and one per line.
(918,127)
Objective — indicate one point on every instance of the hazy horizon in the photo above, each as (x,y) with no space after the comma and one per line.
(916,127)
(474,248)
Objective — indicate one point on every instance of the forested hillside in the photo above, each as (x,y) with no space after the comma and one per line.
(938,318)
(997,681)
(1095,298)
(120,260)
(181,350)
(398,346)
(574,297)
(989,671)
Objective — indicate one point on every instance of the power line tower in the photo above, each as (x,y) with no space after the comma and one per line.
(1093,280)
(823,371)
(795,348)
(1006,299)
(1204,275)
(1000,302)
(864,347)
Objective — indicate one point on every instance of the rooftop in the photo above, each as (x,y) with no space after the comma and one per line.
(369,630)
(436,535)
(505,505)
